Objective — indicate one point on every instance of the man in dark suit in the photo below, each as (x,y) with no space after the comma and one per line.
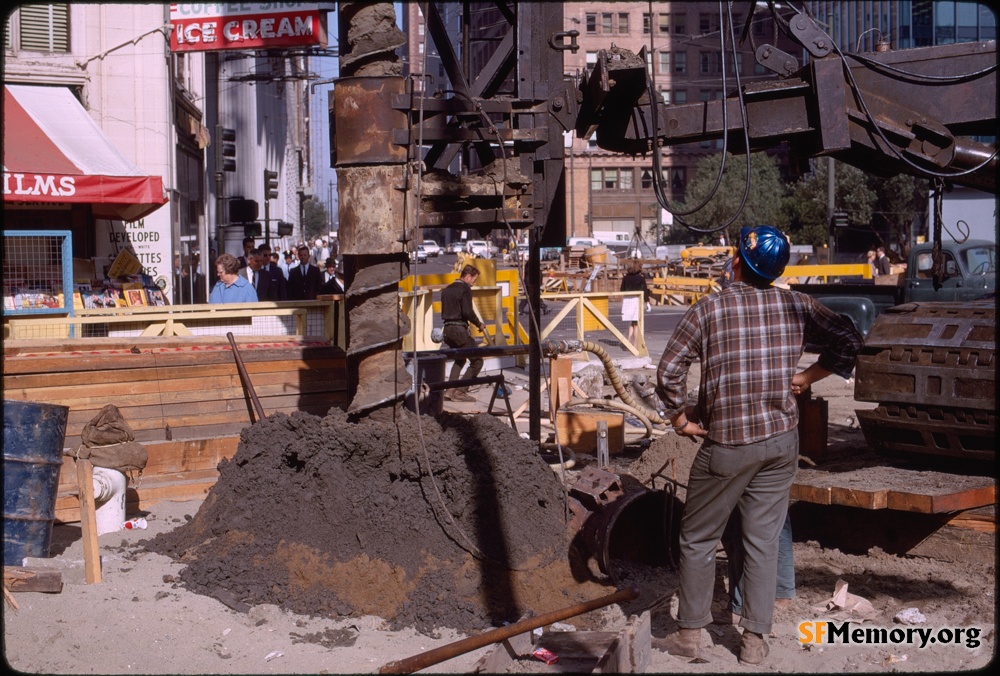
(248,244)
(305,280)
(273,270)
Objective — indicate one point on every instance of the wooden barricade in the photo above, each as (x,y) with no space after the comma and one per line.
(677,290)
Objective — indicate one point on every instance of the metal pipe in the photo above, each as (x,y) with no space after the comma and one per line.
(451,650)
(245,378)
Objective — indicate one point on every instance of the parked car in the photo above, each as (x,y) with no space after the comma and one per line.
(479,247)
(420,255)
(432,248)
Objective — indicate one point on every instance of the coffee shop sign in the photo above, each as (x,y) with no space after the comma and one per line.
(246,25)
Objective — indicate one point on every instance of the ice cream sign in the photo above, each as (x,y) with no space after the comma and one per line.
(246,25)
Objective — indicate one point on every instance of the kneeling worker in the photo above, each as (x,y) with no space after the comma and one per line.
(457,312)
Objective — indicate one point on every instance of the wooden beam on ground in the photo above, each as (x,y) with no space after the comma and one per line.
(20,579)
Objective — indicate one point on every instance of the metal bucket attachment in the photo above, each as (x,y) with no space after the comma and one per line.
(642,526)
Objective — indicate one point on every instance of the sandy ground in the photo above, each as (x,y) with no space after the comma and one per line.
(141,620)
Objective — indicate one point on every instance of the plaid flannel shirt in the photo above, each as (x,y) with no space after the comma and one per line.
(749,342)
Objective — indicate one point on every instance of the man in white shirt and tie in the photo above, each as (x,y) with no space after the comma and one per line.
(305,280)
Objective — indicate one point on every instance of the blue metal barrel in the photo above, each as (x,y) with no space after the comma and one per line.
(33,437)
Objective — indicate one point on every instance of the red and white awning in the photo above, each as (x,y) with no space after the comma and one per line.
(55,153)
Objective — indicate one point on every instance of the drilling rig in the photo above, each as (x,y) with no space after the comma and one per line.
(915,111)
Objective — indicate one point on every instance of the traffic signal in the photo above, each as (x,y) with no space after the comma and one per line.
(225,158)
(284,229)
(242,210)
(252,229)
(270,185)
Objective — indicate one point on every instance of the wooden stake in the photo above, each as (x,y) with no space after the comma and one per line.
(88,521)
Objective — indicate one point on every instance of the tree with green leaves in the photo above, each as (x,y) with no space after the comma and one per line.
(763,202)
(315,219)
(807,206)
(902,200)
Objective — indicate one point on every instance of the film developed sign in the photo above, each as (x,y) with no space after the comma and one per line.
(202,27)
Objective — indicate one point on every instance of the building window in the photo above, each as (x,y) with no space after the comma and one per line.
(739,62)
(665,96)
(680,96)
(610,179)
(704,23)
(705,63)
(646,180)
(44,28)
(420,30)
(680,24)
(591,24)
(649,63)
(678,180)
(664,62)
(591,60)
(626,179)
(680,63)
(664,23)
(607,27)
(646,23)
(944,18)
(595,179)
(623,23)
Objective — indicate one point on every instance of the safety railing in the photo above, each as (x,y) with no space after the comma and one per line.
(577,315)
(323,319)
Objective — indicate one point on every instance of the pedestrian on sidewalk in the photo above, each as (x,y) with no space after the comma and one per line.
(633,281)
(457,313)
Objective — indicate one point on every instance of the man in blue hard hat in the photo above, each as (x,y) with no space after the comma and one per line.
(749,338)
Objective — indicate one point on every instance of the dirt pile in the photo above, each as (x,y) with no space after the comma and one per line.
(328,517)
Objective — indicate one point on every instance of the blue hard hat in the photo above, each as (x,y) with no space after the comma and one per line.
(765,250)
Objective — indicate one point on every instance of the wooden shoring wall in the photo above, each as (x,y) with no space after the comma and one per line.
(184,400)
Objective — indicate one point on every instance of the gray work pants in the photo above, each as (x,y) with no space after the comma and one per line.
(755,479)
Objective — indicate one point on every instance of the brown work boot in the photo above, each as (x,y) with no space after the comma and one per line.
(753,648)
(459,394)
(682,643)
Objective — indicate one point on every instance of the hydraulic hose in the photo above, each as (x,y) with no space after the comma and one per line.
(553,348)
(621,407)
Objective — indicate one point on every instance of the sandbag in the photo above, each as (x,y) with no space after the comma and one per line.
(109,442)
(127,457)
(108,427)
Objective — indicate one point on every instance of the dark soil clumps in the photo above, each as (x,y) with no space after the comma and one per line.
(328,517)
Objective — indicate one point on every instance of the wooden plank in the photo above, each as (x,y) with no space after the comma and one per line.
(88,522)
(194,370)
(168,388)
(853,497)
(936,504)
(820,495)
(630,652)
(125,359)
(20,579)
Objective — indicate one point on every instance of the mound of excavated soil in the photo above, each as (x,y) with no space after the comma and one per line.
(329,517)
